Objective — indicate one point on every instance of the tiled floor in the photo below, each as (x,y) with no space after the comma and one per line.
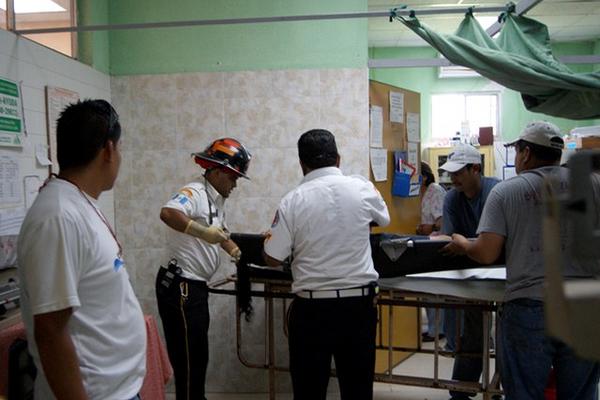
(416,365)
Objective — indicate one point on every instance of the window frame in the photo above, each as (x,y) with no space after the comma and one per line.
(466,94)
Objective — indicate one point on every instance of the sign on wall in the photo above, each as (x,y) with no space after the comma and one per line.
(11,116)
(56,100)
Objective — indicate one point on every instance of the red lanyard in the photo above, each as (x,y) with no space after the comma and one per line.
(98,213)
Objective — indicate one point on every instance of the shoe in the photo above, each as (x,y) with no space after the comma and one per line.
(425,337)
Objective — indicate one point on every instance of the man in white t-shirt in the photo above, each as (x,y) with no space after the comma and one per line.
(85,327)
(323,225)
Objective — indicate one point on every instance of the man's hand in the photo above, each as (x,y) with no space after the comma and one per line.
(424,229)
(458,246)
(236,254)
(211,234)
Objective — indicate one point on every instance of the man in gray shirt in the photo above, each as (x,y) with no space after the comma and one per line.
(512,220)
(463,206)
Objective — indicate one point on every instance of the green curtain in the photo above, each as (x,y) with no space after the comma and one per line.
(519,59)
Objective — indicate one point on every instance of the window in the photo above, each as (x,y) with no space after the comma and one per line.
(463,112)
(40,14)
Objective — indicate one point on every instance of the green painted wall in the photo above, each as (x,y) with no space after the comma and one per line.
(93,47)
(514,116)
(280,45)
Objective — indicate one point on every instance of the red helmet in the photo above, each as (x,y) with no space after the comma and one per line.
(227,154)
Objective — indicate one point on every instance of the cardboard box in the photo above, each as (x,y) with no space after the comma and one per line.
(587,142)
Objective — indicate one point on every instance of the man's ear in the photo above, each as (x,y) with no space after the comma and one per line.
(337,161)
(526,155)
(110,150)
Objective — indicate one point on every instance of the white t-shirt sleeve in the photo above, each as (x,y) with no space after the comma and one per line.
(279,244)
(51,267)
(192,202)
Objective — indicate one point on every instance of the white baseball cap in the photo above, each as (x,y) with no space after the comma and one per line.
(541,133)
(460,157)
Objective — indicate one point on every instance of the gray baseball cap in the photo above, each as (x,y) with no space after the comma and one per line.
(542,133)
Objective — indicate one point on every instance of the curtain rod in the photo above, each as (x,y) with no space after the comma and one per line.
(442,62)
(258,20)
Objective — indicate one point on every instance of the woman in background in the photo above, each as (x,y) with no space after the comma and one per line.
(432,206)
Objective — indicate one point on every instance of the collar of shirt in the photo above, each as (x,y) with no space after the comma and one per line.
(213,196)
(320,172)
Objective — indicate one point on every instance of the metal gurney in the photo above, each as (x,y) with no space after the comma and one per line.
(270,284)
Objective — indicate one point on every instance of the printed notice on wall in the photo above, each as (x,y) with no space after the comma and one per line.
(413,155)
(376,126)
(56,100)
(379,164)
(412,127)
(397,107)
(11,114)
(10,188)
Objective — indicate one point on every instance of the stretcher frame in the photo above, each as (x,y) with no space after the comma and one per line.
(273,289)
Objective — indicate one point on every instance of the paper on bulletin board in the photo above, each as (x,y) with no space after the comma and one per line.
(379,164)
(10,188)
(56,100)
(397,107)
(413,154)
(413,127)
(376,126)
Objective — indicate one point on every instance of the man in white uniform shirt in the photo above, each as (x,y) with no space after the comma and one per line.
(85,327)
(196,215)
(324,225)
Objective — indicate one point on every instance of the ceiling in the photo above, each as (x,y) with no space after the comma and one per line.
(567,20)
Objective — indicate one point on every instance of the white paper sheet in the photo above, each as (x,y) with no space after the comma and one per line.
(379,164)
(11,220)
(10,188)
(413,155)
(397,107)
(41,155)
(376,126)
(32,185)
(413,127)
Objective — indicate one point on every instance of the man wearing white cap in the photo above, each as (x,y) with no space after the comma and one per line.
(512,220)
(463,206)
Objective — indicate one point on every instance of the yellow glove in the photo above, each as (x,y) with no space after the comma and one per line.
(236,254)
(211,234)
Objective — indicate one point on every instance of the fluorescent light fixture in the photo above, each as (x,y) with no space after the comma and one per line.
(33,6)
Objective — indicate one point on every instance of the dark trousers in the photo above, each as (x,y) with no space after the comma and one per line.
(342,328)
(471,341)
(183,309)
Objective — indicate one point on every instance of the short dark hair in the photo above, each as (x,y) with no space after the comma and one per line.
(542,153)
(317,149)
(427,173)
(82,130)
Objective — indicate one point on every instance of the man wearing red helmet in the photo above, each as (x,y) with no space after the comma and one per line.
(197,217)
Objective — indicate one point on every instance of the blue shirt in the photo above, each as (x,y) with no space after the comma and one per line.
(461,214)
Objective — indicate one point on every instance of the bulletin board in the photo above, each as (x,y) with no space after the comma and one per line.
(405,212)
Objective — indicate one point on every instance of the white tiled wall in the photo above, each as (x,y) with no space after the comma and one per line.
(167,117)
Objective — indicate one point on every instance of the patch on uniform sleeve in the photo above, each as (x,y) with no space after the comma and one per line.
(275,219)
(183,196)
